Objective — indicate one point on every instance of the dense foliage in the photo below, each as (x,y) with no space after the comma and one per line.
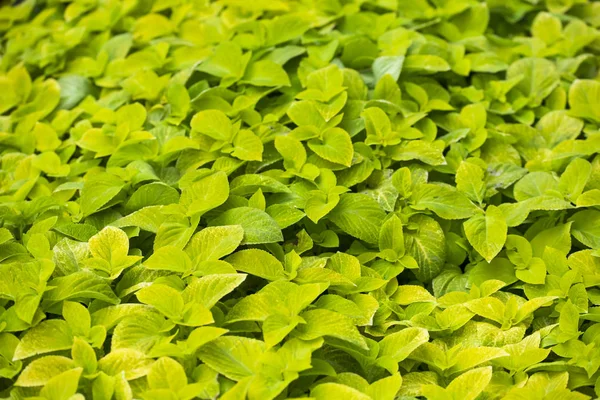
(335,199)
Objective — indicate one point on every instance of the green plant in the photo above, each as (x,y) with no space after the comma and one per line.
(271,199)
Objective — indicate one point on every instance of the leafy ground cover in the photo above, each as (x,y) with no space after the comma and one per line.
(271,199)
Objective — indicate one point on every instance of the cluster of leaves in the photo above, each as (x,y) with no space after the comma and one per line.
(271,199)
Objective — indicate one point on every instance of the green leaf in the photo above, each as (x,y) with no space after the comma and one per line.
(169,258)
(319,205)
(266,73)
(326,391)
(233,356)
(98,190)
(588,198)
(558,126)
(164,298)
(292,151)
(213,123)
(523,354)
(214,242)
(421,63)
(247,146)
(175,231)
(226,62)
(573,180)
(153,194)
(249,183)
(386,388)
(557,237)
(47,336)
(73,89)
(390,65)
(258,226)
(335,146)
(306,113)
(469,180)
(41,370)
(167,373)
(200,336)
(145,85)
(499,268)
(50,163)
(148,218)
(471,357)
(534,273)
(328,82)
(130,364)
(329,323)
(81,284)
(276,327)
(391,236)
(63,386)
(112,246)
(279,298)
(179,100)
(427,152)
(470,384)
(284,214)
(205,194)
(378,125)
(398,346)
(359,216)
(584,96)
(151,26)
(131,115)
(345,264)
(546,27)
(426,244)
(78,318)
(257,262)
(568,321)
(139,331)
(408,294)
(538,78)
(443,200)
(84,356)
(285,27)
(103,386)
(208,290)
(487,234)
(585,228)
